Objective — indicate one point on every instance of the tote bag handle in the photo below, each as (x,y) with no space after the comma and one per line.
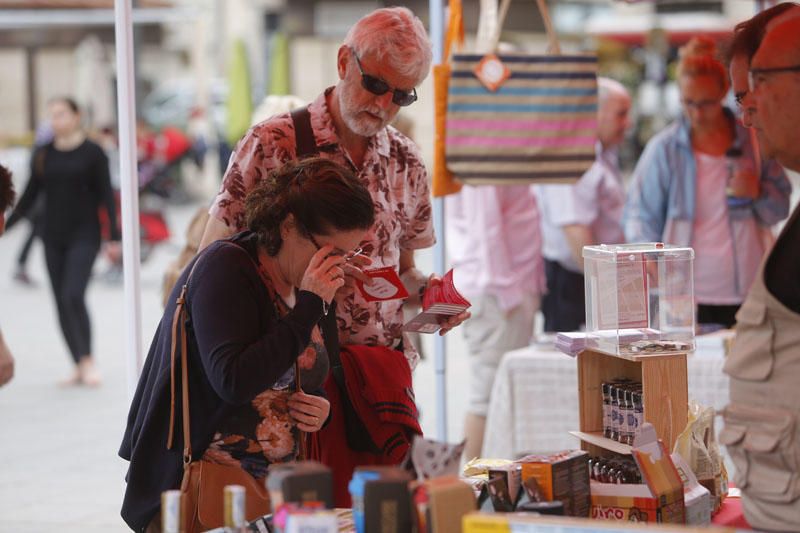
(553,46)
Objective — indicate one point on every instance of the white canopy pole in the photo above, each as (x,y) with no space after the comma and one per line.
(129,189)
(440,346)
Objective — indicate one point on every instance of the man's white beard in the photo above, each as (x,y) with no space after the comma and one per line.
(366,126)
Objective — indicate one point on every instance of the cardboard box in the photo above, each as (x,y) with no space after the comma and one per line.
(659,499)
(562,476)
(441,504)
(696,497)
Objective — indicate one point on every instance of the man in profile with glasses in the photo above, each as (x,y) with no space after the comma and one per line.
(762,421)
(385,56)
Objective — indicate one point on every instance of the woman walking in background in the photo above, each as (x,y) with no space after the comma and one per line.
(699,183)
(71,174)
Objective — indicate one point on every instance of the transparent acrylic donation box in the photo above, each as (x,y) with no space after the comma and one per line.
(639,299)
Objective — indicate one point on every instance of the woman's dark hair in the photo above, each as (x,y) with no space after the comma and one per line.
(69,102)
(747,35)
(322,195)
(6,189)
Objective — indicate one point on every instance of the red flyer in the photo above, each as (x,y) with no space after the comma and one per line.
(386,285)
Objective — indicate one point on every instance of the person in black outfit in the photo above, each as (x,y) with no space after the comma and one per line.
(258,302)
(71,174)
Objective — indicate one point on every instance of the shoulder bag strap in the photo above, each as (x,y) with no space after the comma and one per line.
(552,38)
(305,144)
(179,319)
(358,437)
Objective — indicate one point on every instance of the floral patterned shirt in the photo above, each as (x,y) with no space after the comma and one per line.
(394,174)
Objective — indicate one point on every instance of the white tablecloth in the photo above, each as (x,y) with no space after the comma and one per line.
(534,402)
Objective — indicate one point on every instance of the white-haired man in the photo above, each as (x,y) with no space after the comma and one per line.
(384,57)
(589,212)
(762,422)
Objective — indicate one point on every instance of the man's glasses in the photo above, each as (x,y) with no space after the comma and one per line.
(348,256)
(756,76)
(378,87)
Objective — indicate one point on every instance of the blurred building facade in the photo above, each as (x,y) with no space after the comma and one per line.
(50,47)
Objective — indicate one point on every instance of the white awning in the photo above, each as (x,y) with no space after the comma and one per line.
(44,18)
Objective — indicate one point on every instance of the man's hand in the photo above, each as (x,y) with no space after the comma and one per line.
(454,321)
(450,322)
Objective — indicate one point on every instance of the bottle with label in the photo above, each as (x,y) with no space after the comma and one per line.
(638,412)
(234,509)
(629,426)
(606,388)
(615,418)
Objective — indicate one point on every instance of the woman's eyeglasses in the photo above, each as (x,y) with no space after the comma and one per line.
(348,256)
(378,87)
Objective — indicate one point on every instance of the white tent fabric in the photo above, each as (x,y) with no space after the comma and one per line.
(129,190)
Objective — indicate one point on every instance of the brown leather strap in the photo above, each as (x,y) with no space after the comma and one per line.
(176,317)
(179,319)
(187,435)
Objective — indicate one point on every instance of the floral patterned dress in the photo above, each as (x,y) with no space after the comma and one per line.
(261,432)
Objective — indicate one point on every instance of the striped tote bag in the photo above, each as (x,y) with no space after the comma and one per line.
(538,126)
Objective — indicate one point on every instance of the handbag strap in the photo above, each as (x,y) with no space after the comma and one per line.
(179,318)
(455,29)
(553,45)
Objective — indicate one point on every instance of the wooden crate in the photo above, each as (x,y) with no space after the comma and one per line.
(665,396)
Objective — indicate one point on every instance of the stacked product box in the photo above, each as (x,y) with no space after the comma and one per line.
(658,499)
(561,476)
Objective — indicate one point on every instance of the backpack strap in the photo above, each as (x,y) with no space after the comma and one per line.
(305,144)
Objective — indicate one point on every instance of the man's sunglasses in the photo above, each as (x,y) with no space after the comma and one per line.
(378,87)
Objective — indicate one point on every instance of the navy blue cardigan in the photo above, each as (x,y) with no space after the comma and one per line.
(236,348)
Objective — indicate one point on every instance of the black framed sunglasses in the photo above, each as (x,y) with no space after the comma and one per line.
(378,87)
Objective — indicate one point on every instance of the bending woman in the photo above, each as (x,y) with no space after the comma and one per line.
(257,301)
(71,173)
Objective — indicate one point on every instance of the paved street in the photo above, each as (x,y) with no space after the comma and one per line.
(58,446)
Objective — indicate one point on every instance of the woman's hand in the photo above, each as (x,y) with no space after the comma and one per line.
(309,411)
(324,275)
